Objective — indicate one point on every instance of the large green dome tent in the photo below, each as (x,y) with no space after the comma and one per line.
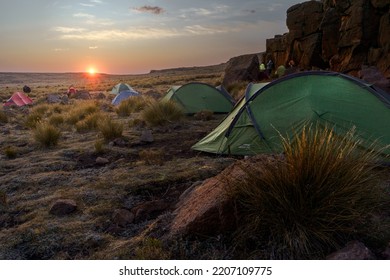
(285,106)
(195,97)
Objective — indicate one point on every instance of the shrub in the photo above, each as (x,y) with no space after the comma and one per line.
(132,104)
(90,122)
(46,134)
(110,129)
(324,192)
(151,249)
(3,117)
(82,110)
(99,147)
(160,113)
(10,152)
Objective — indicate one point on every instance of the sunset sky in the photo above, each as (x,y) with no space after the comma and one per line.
(133,36)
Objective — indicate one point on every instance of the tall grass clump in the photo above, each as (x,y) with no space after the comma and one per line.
(324,192)
(132,104)
(90,122)
(81,111)
(110,129)
(46,134)
(162,112)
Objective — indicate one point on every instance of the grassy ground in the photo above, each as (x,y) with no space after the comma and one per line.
(33,175)
(35,172)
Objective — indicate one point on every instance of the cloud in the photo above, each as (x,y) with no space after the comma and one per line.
(150,9)
(92,3)
(84,15)
(60,50)
(62,29)
(208,30)
(93,47)
(116,34)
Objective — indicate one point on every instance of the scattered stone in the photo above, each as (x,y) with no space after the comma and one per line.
(122,217)
(102,161)
(63,207)
(149,209)
(147,136)
(354,250)
(54,98)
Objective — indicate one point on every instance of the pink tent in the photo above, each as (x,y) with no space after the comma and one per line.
(18,99)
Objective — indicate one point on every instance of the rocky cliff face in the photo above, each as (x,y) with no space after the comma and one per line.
(340,35)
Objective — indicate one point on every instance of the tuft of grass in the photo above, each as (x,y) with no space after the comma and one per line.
(151,249)
(323,193)
(132,104)
(90,122)
(56,119)
(237,89)
(99,147)
(46,134)
(110,129)
(3,117)
(152,156)
(10,152)
(81,111)
(163,112)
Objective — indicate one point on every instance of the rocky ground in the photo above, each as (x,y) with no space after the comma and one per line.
(129,200)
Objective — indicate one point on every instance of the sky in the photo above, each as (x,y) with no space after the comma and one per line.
(133,36)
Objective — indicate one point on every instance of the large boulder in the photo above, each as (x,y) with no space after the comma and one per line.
(341,35)
(305,18)
(242,68)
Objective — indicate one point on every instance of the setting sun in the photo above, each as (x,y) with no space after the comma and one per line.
(92,71)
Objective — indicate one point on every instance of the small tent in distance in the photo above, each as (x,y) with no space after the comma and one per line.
(18,99)
(118,88)
(286,105)
(123,95)
(195,97)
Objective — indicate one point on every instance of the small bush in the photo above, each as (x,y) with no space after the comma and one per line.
(160,113)
(322,194)
(152,157)
(151,249)
(3,117)
(99,147)
(132,104)
(90,122)
(46,134)
(10,152)
(110,129)
(56,119)
(81,111)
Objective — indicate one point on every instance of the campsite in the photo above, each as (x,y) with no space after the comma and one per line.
(237,147)
(88,197)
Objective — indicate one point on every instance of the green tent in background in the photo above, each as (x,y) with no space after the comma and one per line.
(121,87)
(285,106)
(195,97)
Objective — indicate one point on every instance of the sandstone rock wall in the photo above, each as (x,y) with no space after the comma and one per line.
(340,35)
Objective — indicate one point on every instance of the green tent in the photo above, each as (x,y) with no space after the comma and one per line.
(285,106)
(195,97)
(121,87)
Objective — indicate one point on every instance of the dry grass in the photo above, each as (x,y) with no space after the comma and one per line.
(163,112)
(133,104)
(110,129)
(46,135)
(3,117)
(324,193)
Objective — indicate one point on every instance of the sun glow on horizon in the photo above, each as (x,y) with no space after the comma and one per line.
(91,71)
